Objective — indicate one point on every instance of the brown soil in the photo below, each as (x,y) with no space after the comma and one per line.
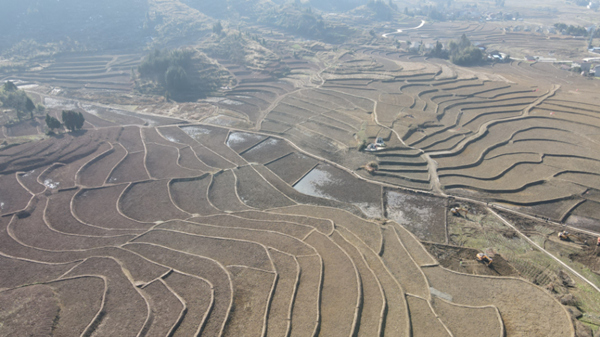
(288,272)
(30,180)
(464,321)
(156,193)
(191,195)
(29,311)
(13,197)
(255,192)
(517,300)
(197,295)
(222,192)
(202,267)
(80,300)
(423,215)
(64,176)
(131,168)
(372,295)
(126,309)
(292,167)
(424,322)
(463,260)
(161,162)
(252,294)
(131,139)
(325,226)
(34,231)
(305,311)
(290,228)
(214,139)
(270,238)
(97,207)
(20,272)
(166,308)
(308,266)
(189,160)
(226,251)
(267,151)
(96,171)
(400,264)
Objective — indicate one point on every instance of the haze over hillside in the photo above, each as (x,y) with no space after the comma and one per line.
(300,168)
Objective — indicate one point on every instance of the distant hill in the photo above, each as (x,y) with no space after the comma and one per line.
(377,10)
(305,22)
(106,24)
(231,9)
(182,74)
(336,5)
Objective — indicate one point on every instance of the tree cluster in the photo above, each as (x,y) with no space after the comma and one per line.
(13,98)
(571,30)
(72,120)
(463,53)
(305,22)
(218,28)
(382,10)
(52,123)
(181,74)
(168,68)
(438,51)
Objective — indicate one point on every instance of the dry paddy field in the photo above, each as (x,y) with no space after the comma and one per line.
(197,230)
(524,143)
(140,225)
(87,70)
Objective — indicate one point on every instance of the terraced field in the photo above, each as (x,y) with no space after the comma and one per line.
(198,230)
(262,219)
(88,71)
(447,131)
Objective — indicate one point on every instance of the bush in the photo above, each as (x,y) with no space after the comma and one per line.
(52,122)
(464,53)
(12,97)
(185,74)
(362,145)
(72,120)
(176,79)
(468,56)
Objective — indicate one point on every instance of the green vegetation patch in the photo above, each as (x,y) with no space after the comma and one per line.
(17,101)
(304,22)
(181,74)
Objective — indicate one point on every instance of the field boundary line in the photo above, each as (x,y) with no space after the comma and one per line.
(544,251)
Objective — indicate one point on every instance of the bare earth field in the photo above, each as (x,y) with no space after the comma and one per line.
(327,269)
(252,213)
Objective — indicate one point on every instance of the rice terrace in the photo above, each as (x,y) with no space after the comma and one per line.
(300,168)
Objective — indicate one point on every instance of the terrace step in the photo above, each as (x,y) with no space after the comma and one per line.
(404,162)
(396,321)
(401,168)
(402,152)
(418,178)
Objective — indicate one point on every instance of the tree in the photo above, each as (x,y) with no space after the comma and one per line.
(464,42)
(30,107)
(52,122)
(439,51)
(217,28)
(9,86)
(176,79)
(72,120)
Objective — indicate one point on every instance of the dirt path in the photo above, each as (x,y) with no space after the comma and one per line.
(484,127)
(541,249)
